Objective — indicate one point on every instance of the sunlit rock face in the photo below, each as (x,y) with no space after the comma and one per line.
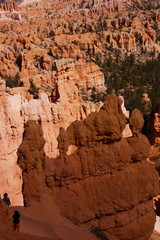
(11,130)
(9,5)
(127,131)
(107,176)
(9,11)
(153,126)
(157,122)
(153,134)
(16,110)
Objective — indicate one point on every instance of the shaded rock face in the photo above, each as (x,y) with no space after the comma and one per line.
(5,220)
(107,182)
(106,126)
(30,159)
(9,6)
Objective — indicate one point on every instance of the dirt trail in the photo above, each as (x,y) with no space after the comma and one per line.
(39,220)
(32,224)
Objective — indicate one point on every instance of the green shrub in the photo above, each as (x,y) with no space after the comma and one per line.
(50,53)
(12,81)
(33,89)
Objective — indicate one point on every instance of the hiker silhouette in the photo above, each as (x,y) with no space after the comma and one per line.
(16,220)
(6,199)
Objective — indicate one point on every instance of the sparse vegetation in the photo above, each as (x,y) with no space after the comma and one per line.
(12,81)
(84,94)
(54,67)
(131,79)
(50,53)
(33,89)
(97,96)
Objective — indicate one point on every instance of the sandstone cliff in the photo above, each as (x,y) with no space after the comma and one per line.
(106,184)
(16,110)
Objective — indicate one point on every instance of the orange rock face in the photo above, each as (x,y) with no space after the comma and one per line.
(9,5)
(16,110)
(97,176)
(106,182)
(153,133)
(31,160)
(9,10)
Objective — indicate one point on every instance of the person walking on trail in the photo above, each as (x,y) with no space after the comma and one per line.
(6,199)
(16,220)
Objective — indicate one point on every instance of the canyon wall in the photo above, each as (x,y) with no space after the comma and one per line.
(106,183)
(16,110)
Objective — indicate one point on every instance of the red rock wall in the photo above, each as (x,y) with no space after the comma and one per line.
(30,159)
(107,182)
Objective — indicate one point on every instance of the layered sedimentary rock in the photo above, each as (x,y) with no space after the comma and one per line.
(9,5)
(16,110)
(98,4)
(11,129)
(85,75)
(43,71)
(9,10)
(128,40)
(58,105)
(107,182)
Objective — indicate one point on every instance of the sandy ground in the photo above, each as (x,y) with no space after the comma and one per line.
(6,235)
(40,220)
(43,222)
